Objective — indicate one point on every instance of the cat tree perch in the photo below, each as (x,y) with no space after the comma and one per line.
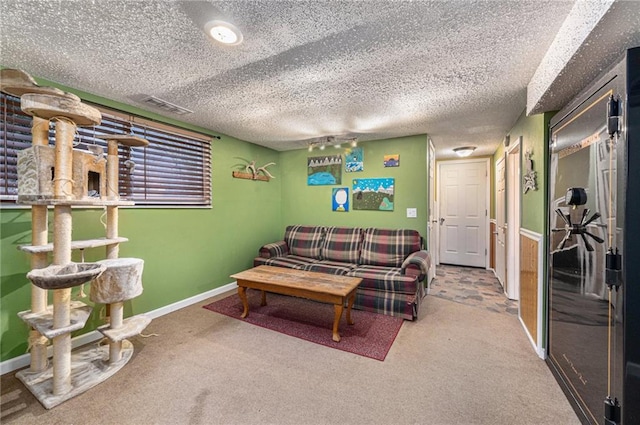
(80,178)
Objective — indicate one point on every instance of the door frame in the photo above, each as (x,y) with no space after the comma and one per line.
(432,215)
(487,163)
(501,274)
(513,204)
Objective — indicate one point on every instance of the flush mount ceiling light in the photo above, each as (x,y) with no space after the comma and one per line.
(465,150)
(223,32)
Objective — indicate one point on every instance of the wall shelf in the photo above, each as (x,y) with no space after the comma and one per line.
(249,176)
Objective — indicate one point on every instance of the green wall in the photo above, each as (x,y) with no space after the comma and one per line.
(535,138)
(534,132)
(187,251)
(303,204)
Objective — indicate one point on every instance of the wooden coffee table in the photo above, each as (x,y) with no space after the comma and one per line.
(321,287)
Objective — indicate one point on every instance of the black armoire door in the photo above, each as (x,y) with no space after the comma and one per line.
(586,199)
(589,250)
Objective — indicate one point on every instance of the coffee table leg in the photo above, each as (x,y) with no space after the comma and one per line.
(263,301)
(242,292)
(336,321)
(352,299)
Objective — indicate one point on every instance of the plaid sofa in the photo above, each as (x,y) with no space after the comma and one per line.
(391,263)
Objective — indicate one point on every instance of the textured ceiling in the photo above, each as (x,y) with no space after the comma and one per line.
(456,70)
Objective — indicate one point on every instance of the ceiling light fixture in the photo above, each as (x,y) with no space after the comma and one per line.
(223,32)
(331,140)
(334,141)
(465,150)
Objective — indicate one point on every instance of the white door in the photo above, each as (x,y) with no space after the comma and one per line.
(433,217)
(501,249)
(463,198)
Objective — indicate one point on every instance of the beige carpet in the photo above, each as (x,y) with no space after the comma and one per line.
(458,364)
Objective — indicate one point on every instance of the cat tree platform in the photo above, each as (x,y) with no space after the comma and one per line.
(76,202)
(43,322)
(131,326)
(84,244)
(89,367)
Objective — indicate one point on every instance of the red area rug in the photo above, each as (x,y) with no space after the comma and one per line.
(371,336)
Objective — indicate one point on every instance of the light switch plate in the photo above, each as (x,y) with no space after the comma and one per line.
(412,212)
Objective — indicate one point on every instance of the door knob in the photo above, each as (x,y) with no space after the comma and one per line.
(441,221)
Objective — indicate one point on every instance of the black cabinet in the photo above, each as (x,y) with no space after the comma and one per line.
(594,247)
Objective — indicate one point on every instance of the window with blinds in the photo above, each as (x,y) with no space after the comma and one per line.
(175,169)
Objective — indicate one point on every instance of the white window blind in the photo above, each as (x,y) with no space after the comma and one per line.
(175,169)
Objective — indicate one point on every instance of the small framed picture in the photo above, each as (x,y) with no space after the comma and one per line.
(340,199)
(392,160)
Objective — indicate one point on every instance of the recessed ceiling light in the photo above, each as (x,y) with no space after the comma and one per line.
(223,32)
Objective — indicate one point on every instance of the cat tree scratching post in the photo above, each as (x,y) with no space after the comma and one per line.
(116,328)
(64,110)
(15,82)
(62,189)
(115,310)
(39,237)
(78,179)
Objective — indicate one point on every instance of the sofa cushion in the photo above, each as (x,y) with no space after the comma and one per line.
(289,261)
(388,247)
(342,244)
(385,279)
(330,267)
(305,241)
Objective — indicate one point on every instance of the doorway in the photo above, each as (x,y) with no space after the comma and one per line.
(463,198)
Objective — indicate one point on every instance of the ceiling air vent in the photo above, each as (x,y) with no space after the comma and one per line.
(166,106)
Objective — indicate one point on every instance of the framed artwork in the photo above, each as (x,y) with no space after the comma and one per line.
(324,170)
(353,160)
(340,199)
(392,160)
(373,194)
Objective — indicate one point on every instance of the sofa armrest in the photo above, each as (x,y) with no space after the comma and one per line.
(417,264)
(276,249)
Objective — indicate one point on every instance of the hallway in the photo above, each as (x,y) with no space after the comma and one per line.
(472,286)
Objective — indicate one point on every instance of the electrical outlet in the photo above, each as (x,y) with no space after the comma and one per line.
(412,212)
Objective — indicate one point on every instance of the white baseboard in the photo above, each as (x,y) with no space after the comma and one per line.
(24,360)
(190,301)
(539,350)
